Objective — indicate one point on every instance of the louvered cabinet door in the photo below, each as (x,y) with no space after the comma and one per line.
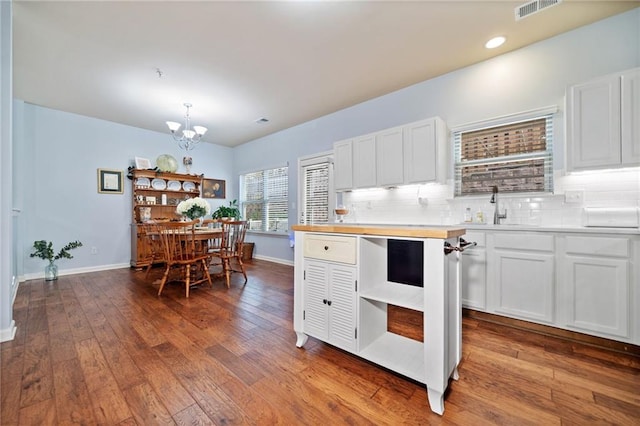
(342,310)
(316,294)
(330,303)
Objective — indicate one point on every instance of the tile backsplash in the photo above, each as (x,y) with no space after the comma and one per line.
(434,204)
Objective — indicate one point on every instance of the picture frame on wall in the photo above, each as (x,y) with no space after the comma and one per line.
(110,181)
(143,163)
(214,188)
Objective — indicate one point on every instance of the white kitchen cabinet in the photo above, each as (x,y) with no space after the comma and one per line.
(389,158)
(596,285)
(425,151)
(474,272)
(631,117)
(330,303)
(343,165)
(602,122)
(521,271)
(364,161)
(409,154)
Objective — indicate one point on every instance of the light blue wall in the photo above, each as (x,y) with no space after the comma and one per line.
(61,152)
(60,155)
(533,77)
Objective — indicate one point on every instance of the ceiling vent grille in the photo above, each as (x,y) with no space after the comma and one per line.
(534,6)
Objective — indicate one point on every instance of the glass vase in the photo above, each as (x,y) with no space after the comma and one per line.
(51,272)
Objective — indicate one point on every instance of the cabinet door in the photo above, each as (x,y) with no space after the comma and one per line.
(364,162)
(420,152)
(474,282)
(343,165)
(342,310)
(631,118)
(598,294)
(389,157)
(593,130)
(524,285)
(316,319)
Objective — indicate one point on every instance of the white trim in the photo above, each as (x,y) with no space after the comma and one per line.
(8,333)
(40,275)
(263,168)
(321,157)
(505,119)
(274,260)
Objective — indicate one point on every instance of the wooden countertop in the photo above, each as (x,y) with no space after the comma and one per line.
(443,232)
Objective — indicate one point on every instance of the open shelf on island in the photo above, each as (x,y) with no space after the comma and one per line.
(397,353)
(402,295)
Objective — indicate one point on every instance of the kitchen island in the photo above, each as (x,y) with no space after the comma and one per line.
(345,277)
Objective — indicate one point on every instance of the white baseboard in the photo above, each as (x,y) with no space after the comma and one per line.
(8,333)
(274,260)
(40,275)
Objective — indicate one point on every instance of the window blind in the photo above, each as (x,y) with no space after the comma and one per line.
(265,199)
(515,157)
(316,193)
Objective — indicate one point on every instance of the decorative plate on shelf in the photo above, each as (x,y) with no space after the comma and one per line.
(189,186)
(143,182)
(173,185)
(158,184)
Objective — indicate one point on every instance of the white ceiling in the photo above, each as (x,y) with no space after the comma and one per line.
(238,61)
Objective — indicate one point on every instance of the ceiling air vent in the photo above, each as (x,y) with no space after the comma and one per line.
(534,6)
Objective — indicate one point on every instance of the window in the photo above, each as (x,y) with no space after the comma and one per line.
(315,205)
(264,199)
(515,157)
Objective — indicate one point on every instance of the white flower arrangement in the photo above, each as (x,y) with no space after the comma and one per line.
(194,208)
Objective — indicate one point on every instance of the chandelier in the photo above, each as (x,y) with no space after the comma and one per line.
(189,137)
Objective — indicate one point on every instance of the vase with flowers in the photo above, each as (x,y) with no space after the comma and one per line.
(194,208)
(44,250)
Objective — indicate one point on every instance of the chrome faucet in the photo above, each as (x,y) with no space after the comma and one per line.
(496,213)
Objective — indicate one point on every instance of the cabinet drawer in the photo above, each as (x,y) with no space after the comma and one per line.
(524,241)
(330,247)
(598,246)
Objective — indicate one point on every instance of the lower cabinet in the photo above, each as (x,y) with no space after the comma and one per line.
(597,291)
(588,283)
(474,272)
(521,272)
(330,303)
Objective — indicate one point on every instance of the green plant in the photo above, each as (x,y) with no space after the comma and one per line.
(44,250)
(223,211)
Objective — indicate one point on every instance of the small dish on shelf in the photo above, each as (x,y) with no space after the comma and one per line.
(158,184)
(143,182)
(189,186)
(173,185)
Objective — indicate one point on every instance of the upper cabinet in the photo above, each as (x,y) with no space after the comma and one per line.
(413,153)
(343,159)
(426,151)
(603,124)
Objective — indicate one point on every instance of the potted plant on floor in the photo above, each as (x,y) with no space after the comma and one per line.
(230,212)
(44,250)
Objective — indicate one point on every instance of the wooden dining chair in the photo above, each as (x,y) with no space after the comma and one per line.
(230,250)
(150,249)
(181,252)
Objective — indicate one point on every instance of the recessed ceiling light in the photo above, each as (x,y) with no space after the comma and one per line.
(495,42)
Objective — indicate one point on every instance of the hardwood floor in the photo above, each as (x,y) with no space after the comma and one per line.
(102,348)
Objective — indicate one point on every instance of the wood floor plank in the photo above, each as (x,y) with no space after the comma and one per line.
(146,406)
(109,404)
(73,405)
(103,348)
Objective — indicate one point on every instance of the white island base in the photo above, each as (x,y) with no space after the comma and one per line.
(341,294)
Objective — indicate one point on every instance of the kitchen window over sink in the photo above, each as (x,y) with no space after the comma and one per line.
(514,153)
(264,196)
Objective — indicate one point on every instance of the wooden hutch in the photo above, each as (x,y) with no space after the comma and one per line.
(155,196)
